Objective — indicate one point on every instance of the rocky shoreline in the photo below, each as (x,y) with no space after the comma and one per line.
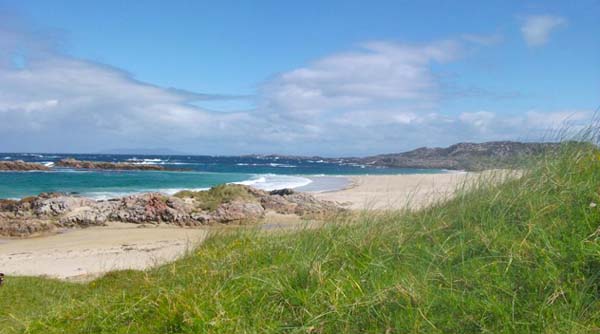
(226,204)
(20,165)
(82,164)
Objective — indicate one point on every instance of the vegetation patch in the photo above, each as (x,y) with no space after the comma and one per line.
(215,196)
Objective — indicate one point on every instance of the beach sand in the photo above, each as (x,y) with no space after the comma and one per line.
(83,254)
(86,253)
(408,191)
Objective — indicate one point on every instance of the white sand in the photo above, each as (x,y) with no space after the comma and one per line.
(87,253)
(413,191)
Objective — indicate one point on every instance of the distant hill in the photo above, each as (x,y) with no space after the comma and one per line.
(461,156)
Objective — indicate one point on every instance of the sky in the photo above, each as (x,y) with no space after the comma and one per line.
(334,78)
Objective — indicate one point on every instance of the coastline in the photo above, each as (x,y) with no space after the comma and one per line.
(83,254)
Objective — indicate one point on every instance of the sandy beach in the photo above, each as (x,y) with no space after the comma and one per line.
(389,192)
(87,253)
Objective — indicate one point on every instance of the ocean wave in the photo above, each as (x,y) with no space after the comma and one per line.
(282,165)
(272,164)
(104,195)
(137,161)
(273,181)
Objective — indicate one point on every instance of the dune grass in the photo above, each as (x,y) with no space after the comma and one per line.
(212,198)
(518,257)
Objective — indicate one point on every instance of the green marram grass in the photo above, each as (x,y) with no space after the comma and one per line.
(212,198)
(518,257)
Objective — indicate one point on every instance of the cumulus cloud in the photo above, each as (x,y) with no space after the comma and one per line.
(380,83)
(536,29)
(53,102)
(381,96)
(377,73)
(57,95)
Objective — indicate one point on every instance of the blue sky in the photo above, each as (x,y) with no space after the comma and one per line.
(310,77)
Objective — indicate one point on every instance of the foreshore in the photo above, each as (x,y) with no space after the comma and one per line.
(86,253)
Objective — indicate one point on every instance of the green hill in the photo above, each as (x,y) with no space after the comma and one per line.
(519,257)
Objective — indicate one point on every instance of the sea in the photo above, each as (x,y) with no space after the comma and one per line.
(200,173)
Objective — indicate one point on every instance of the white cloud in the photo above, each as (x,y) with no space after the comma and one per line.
(380,97)
(360,99)
(536,29)
(61,94)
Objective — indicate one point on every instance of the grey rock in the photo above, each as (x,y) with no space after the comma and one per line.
(237,211)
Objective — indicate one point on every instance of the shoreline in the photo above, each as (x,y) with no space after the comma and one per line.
(84,254)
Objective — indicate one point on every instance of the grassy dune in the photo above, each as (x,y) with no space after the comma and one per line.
(519,257)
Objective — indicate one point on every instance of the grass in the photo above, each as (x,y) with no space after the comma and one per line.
(518,257)
(212,198)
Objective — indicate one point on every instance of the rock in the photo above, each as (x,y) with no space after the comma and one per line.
(237,211)
(83,217)
(20,165)
(278,204)
(282,192)
(48,211)
(151,207)
(25,228)
(202,217)
(57,204)
(79,164)
(308,205)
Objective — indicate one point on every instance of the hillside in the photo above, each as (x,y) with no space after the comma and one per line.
(462,156)
(518,257)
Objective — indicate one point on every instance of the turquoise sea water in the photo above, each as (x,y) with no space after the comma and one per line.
(202,172)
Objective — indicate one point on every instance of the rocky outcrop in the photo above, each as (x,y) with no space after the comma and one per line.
(20,165)
(80,164)
(49,212)
(238,211)
(287,201)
